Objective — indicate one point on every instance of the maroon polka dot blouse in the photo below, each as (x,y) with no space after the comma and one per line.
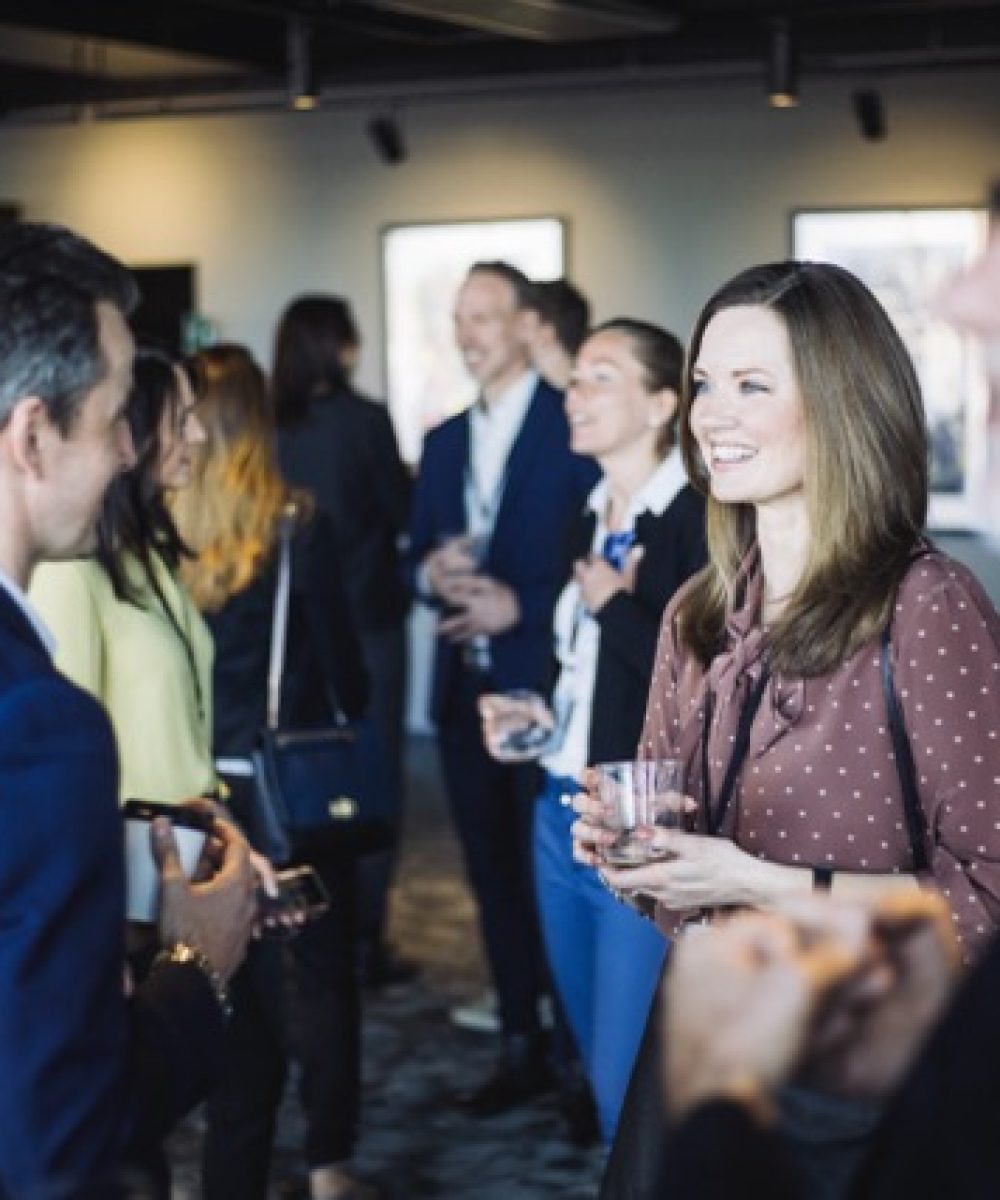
(819,786)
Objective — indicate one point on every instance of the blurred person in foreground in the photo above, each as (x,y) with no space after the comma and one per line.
(862,996)
(86,1069)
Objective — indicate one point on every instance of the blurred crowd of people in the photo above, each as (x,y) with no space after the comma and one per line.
(713,559)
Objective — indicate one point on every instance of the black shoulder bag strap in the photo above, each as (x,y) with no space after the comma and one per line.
(916,824)
(287,525)
(714,818)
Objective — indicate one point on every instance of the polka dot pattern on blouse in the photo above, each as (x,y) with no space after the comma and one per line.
(820,786)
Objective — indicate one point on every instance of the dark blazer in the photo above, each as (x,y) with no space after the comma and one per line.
(344,451)
(83,1070)
(674,549)
(322,654)
(545,489)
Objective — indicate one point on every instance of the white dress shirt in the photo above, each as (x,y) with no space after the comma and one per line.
(493,430)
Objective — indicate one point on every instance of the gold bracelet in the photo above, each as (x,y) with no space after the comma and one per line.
(183,953)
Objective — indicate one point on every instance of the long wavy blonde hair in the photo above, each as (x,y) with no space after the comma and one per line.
(229,514)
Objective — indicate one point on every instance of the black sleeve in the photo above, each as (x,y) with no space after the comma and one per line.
(939,1135)
(331,626)
(719,1152)
(176,1048)
(392,481)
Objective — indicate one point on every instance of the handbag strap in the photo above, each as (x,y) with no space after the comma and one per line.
(279,616)
(714,817)
(279,626)
(916,825)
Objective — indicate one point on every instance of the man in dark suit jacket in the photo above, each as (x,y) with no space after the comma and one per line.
(84,1071)
(502,472)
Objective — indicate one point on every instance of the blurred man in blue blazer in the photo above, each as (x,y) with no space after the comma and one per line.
(495,500)
(85,1072)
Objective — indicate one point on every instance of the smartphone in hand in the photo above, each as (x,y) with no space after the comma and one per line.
(301,898)
(142,878)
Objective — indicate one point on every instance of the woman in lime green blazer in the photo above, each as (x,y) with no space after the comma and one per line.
(126,628)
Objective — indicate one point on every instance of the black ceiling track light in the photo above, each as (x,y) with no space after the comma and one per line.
(387,138)
(303,91)
(782,66)
(869,111)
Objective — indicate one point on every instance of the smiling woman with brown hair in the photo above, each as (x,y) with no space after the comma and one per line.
(830,682)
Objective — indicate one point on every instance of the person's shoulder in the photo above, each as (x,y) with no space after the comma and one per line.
(688,500)
(939,591)
(547,393)
(446,433)
(75,577)
(41,710)
(680,598)
(548,402)
(686,507)
(934,574)
(366,407)
(20,661)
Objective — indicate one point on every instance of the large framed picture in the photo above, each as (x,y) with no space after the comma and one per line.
(906,255)
(422,268)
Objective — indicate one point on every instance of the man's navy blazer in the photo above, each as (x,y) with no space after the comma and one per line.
(81,1070)
(545,487)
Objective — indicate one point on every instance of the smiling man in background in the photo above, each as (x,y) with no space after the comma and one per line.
(497,493)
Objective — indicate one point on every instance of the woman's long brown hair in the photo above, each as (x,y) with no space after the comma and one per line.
(866,475)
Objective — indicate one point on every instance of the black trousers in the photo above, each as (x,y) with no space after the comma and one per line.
(385,658)
(301,999)
(491,806)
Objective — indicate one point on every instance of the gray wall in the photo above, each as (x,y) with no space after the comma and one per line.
(667,191)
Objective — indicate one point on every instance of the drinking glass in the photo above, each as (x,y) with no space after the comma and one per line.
(638,798)
(523,726)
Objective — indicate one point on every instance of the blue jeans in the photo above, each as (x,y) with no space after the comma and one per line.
(605,959)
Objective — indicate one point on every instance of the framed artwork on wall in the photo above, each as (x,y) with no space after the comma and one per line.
(906,255)
(422,268)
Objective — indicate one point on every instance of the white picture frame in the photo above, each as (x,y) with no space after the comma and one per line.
(906,255)
(422,267)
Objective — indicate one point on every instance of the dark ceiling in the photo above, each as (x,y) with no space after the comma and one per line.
(181,53)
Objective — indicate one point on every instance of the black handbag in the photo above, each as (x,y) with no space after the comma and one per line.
(317,791)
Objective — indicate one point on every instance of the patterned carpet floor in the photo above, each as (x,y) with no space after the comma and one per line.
(414,1141)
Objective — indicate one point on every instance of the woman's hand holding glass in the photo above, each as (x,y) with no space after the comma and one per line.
(682,871)
(517,725)
(697,872)
(449,566)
